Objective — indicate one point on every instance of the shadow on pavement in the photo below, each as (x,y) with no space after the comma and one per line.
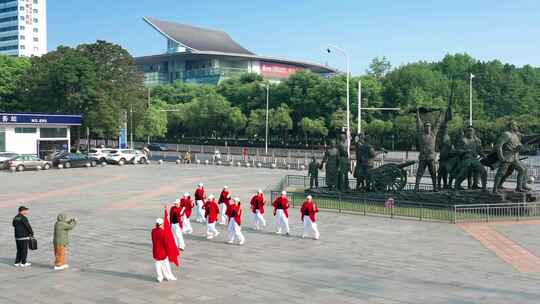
(119,274)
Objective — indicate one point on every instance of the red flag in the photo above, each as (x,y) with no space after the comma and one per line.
(172,250)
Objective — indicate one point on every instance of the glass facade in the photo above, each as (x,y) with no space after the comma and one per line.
(2,140)
(53,132)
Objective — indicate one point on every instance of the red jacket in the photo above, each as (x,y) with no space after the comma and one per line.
(212,211)
(159,245)
(235,211)
(257,203)
(187,204)
(281,202)
(199,194)
(225,198)
(176,215)
(309,209)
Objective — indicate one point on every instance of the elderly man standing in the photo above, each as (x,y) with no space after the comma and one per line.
(62,227)
(23,233)
(281,212)
(308,213)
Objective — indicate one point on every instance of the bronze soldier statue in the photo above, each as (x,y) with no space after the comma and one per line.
(331,164)
(469,148)
(343,164)
(313,171)
(508,148)
(447,157)
(365,155)
(426,144)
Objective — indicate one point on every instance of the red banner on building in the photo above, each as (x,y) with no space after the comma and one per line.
(278,70)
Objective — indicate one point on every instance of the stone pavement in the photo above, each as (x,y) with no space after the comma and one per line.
(358,259)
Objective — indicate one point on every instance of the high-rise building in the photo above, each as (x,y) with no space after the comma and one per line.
(23,27)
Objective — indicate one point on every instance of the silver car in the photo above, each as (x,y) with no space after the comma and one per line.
(4,156)
(24,162)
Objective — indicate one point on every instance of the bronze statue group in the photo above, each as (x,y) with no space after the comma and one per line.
(459,160)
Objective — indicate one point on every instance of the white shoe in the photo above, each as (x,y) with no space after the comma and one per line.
(17,264)
(217,233)
(242,242)
(160,280)
(229,242)
(58,268)
(172,279)
(26,265)
(209,237)
(65,266)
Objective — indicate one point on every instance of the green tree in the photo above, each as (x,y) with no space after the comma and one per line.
(11,71)
(379,67)
(154,122)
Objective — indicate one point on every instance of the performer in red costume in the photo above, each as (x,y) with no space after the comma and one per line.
(200,197)
(224,202)
(176,215)
(212,214)
(160,253)
(309,213)
(187,203)
(281,212)
(257,207)
(234,212)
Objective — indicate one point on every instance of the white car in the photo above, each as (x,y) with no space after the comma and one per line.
(99,154)
(6,156)
(124,156)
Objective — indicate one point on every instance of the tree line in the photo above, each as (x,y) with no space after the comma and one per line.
(101,81)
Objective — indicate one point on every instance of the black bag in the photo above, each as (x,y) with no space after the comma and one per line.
(32,244)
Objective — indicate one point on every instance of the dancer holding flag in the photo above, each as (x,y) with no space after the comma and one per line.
(281,212)
(234,212)
(177,214)
(200,196)
(309,211)
(224,202)
(187,203)
(164,249)
(257,207)
(212,214)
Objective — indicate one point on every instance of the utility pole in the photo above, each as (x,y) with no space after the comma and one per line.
(471,76)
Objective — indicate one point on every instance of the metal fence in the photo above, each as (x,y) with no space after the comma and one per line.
(401,209)
(484,213)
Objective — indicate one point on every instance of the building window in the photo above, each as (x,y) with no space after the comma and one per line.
(35,11)
(36,30)
(8,38)
(22,47)
(21,8)
(9,47)
(8,9)
(35,20)
(25,130)
(22,18)
(36,49)
(8,19)
(21,27)
(22,37)
(53,132)
(36,39)
(35,1)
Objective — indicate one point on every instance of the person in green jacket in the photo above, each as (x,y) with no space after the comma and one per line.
(61,240)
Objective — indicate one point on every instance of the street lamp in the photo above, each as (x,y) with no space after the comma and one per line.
(342,51)
(267,110)
(471,76)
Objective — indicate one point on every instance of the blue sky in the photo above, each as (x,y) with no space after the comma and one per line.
(402,30)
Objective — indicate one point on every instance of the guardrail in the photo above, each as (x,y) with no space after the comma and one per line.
(484,213)
(401,209)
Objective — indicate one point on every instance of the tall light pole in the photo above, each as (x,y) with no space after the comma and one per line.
(267,110)
(359,129)
(337,48)
(148,138)
(471,76)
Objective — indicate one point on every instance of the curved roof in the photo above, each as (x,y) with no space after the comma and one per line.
(196,38)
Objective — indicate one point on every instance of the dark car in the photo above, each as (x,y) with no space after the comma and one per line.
(158,147)
(73,160)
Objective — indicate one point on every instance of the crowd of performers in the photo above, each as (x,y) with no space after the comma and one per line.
(168,235)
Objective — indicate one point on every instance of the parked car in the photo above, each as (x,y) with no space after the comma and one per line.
(99,154)
(158,147)
(4,156)
(23,162)
(123,156)
(74,160)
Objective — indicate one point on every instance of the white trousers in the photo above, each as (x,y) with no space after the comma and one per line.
(310,228)
(258,220)
(234,232)
(222,214)
(282,222)
(187,225)
(211,230)
(163,270)
(200,211)
(178,237)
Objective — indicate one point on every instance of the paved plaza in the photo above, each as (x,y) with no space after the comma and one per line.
(359,259)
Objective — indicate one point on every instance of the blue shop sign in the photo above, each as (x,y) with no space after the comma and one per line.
(40,119)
